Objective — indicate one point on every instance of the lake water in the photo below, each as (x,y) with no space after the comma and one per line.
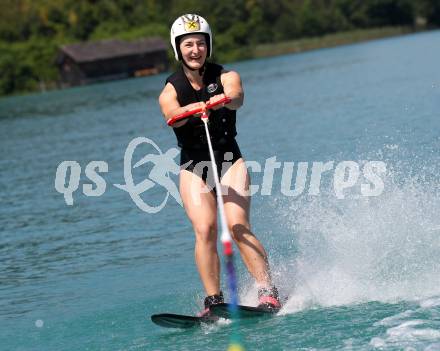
(359,272)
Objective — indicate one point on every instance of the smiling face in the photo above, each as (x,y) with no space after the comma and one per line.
(194,50)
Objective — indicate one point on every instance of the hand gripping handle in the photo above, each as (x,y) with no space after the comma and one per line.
(172,120)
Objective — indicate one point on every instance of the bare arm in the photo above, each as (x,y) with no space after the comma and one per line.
(233,89)
(170,106)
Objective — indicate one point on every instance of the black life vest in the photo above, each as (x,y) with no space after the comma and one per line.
(221,123)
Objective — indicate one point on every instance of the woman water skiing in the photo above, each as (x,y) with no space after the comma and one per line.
(196,83)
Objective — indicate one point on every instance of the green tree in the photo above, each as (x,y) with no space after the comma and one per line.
(390,12)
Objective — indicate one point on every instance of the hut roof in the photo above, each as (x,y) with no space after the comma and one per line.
(100,50)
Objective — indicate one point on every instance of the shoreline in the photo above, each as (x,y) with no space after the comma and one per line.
(286,47)
(329,41)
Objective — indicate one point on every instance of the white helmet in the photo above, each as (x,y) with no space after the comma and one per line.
(189,24)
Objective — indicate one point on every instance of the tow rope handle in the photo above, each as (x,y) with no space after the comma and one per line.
(172,120)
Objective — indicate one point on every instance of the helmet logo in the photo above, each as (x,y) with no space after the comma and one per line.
(191,24)
(211,88)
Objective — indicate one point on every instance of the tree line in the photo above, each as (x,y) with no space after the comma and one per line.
(31,31)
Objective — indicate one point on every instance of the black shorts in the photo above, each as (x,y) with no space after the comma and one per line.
(199,161)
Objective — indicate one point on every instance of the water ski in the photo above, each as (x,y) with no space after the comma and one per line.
(223,310)
(170,320)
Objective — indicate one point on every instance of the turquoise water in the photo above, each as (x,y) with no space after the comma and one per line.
(359,273)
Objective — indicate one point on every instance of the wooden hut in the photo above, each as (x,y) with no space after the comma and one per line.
(91,62)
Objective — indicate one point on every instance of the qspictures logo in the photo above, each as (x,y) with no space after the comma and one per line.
(365,177)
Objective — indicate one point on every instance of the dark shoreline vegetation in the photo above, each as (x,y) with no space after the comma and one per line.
(31,31)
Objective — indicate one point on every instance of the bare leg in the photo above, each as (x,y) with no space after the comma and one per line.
(201,208)
(237,204)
